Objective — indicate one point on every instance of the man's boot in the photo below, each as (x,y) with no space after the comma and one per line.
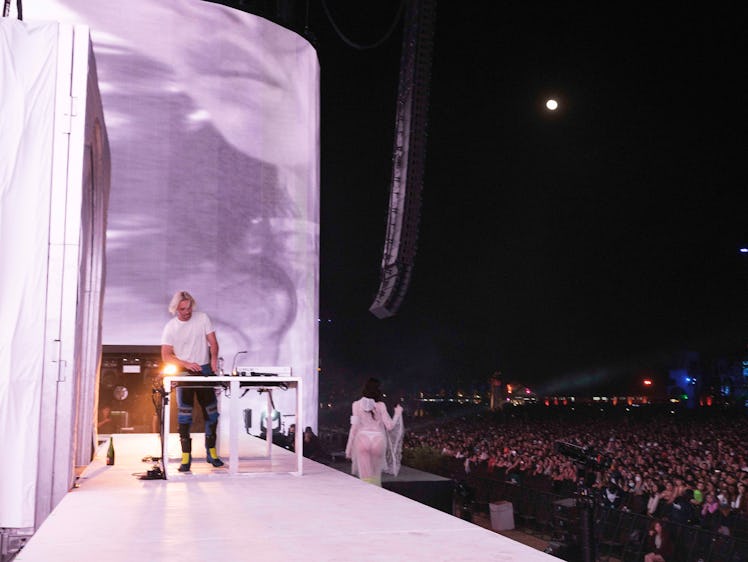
(211,455)
(186,454)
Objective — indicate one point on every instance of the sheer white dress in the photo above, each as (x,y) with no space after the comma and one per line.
(375,441)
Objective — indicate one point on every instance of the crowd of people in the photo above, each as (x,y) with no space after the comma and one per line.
(687,469)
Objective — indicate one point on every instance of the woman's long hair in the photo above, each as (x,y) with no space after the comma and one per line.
(372,390)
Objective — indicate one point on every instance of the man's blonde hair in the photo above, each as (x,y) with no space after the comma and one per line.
(178,297)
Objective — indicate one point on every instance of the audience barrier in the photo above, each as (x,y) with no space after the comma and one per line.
(618,534)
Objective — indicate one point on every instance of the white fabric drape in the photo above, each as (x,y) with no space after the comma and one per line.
(54,181)
(28,59)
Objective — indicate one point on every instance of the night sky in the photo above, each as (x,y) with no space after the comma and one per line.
(558,248)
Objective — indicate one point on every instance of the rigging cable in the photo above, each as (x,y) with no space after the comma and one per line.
(359,46)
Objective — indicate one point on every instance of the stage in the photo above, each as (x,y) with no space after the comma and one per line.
(268,514)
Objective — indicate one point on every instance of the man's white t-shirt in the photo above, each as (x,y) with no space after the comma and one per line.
(189,338)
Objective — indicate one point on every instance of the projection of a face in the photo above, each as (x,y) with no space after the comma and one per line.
(212,117)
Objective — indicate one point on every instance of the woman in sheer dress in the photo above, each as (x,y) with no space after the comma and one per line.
(375,439)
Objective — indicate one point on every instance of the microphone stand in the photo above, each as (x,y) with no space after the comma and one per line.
(233,366)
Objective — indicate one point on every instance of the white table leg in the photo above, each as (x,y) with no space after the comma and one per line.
(269,425)
(234,427)
(299,437)
(166,413)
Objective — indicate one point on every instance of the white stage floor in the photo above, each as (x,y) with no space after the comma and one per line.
(324,515)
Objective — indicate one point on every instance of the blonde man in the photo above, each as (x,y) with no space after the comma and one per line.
(189,341)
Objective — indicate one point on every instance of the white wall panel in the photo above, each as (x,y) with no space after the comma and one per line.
(28,80)
(44,321)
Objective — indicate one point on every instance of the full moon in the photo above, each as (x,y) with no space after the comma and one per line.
(552,105)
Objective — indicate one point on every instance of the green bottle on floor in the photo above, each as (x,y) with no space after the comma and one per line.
(110,452)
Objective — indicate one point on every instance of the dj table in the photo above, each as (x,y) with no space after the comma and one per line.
(235,387)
